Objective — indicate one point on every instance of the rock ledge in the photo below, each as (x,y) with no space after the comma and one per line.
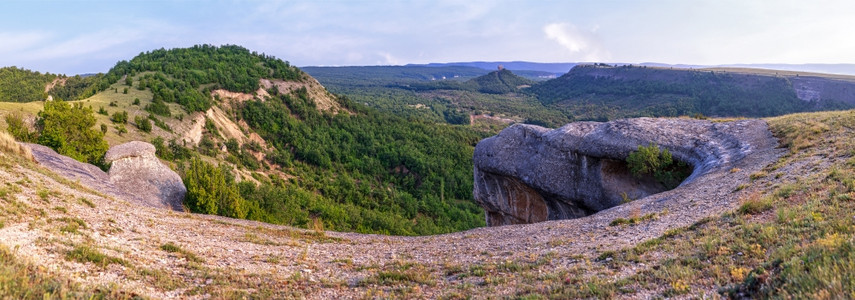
(528,174)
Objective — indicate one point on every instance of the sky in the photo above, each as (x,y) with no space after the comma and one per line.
(76,37)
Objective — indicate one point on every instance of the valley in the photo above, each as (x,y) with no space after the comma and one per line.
(360,183)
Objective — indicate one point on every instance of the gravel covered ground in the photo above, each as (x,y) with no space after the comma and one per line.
(166,254)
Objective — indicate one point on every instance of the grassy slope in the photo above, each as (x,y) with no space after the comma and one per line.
(794,236)
(18,278)
(103,99)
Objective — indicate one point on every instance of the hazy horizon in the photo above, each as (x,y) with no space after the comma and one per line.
(75,37)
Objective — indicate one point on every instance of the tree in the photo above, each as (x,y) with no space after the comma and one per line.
(68,129)
(209,192)
(648,160)
(652,161)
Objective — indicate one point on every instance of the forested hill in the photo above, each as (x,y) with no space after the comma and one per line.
(500,82)
(620,91)
(351,170)
(251,137)
(22,85)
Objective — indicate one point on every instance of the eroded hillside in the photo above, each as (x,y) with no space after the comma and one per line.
(288,151)
(753,237)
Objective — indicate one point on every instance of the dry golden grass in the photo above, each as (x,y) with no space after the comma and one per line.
(9,145)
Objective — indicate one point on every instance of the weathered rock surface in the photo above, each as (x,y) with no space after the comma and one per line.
(136,174)
(528,174)
(135,169)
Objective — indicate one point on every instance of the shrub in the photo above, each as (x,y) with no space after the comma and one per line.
(120,129)
(209,192)
(120,117)
(68,129)
(158,107)
(143,123)
(652,161)
(19,130)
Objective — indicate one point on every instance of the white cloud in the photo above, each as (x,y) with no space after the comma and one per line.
(388,59)
(583,45)
(86,44)
(16,42)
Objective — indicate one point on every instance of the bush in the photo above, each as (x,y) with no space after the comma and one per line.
(209,192)
(143,123)
(120,129)
(19,130)
(68,129)
(120,117)
(158,107)
(652,161)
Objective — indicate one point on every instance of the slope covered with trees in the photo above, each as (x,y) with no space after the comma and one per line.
(608,92)
(178,75)
(22,85)
(446,94)
(354,170)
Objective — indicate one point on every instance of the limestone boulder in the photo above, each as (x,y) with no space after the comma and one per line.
(136,170)
(528,174)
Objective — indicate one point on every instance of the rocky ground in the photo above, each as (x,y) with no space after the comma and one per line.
(165,254)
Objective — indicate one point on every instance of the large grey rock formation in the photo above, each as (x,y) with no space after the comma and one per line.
(136,175)
(528,174)
(135,169)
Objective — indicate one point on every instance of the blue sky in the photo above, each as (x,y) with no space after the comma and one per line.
(90,36)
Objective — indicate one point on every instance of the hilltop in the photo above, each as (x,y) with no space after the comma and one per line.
(289,151)
(500,82)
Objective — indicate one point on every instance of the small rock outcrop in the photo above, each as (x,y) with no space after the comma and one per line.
(135,169)
(529,174)
(135,175)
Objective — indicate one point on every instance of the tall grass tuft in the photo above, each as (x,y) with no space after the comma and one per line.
(9,145)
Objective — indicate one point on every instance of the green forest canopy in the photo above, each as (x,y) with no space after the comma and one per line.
(354,171)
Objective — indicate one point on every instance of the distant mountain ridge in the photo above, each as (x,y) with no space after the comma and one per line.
(656,91)
(555,68)
(564,67)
